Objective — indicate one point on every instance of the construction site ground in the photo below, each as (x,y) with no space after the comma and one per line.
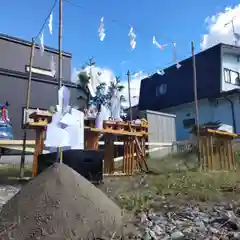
(174,184)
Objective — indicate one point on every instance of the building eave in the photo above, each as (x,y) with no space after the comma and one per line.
(29,44)
(35,77)
(230,49)
(226,48)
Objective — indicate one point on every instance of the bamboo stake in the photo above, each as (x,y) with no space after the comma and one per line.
(27,108)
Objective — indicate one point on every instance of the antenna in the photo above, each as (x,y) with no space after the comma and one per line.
(235,35)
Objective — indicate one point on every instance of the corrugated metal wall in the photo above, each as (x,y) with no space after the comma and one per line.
(161,129)
(43,95)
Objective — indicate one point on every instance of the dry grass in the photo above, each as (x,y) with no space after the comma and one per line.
(175,180)
(9,173)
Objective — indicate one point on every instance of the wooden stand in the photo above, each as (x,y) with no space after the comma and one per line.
(91,139)
(216,150)
(133,137)
(39,124)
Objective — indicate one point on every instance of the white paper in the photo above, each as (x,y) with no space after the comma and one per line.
(116,106)
(56,137)
(63,98)
(67,127)
(50,23)
(99,122)
(68,119)
(42,43)
(226,128)
(75,139)
(79,117)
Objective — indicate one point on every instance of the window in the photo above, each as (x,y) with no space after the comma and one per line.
(231,76)
(161,90)
(41,71)
(227,76)
(188,123)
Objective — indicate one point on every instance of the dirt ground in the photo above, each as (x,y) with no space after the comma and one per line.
(172,177)
(173,183)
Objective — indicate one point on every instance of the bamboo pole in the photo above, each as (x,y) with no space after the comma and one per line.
(27,108)
(129,95)
(196,100)
(59,152)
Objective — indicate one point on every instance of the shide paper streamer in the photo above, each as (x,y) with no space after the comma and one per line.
(132,38)
(175,56)
(156,43)
(101,30)
(102,34)
(42,43)
(50,23)
(50,27)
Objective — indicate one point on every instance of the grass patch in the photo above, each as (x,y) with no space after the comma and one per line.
(10,172)
(196,185)
(173,182)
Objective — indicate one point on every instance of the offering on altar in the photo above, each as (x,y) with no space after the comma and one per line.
(67,127)
(116,106)
(103,115)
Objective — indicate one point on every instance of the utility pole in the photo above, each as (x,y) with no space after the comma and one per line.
(27,108)
(233,29)
(196,102)
(129,95)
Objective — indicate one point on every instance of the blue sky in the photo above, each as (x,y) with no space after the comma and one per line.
(180,21)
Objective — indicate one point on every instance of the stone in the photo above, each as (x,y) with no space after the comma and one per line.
(177,235)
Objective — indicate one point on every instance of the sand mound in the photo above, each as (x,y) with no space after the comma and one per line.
(59,204)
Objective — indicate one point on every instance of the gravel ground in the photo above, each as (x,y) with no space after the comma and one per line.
(173,206)
(7,192)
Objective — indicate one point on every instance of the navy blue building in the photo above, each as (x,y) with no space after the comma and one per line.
(218,82)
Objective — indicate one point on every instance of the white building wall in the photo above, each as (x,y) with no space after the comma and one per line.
(208,111)
(236,101)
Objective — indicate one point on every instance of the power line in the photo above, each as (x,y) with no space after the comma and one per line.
(127,25)
(46,20)
(155,69)
(164,66)
(124,24)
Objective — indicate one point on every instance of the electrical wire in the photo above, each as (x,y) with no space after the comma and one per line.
(136,28)
(46,20)
(164,66)
(144,73)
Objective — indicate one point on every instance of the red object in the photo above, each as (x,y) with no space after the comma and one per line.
(4,116)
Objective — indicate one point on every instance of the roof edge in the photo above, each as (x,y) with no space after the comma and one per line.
(28,43)
(219,45)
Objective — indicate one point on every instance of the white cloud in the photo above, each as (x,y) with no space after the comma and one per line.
(107,75)
(217,31)
(101,74)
